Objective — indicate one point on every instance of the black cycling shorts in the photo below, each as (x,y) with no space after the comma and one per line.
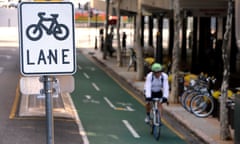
(155,95)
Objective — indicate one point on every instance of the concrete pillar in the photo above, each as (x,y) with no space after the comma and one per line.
(184,41)
(159,49)
(234,50)
(238,61)
(205,49)
(171,38)
(150,28)
(218,48)
(142,31)
(194,66)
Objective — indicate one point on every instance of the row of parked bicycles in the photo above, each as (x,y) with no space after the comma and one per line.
(199,96)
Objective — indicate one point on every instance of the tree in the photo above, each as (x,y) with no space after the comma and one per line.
(106,30)
(175,56)
(119,54)
(225,133)
(137,44)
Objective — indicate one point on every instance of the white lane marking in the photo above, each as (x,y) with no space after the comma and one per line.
(88,96)
(79,67)
(131,129)
(90,100)
(95,86)
(81,130)
(1,69)
(127,108)
(86,75)
(109,103)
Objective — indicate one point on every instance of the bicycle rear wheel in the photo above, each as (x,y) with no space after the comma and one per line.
(156,127)
(187,101)
(202,105)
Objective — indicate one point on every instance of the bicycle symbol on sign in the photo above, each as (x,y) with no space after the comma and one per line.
(35,31)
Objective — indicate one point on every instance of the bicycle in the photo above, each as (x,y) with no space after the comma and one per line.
(202,105)
(155,118)
(34,31)
(202,89)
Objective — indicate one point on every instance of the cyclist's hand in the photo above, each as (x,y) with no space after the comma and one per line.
(148,99)
(164,100)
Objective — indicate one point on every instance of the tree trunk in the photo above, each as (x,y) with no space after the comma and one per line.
(119,54)
(137,44)
(175,54)
(106,31)
(225,133)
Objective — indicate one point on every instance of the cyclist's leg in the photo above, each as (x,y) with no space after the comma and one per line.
(160,108)
(159,95)
(148,109)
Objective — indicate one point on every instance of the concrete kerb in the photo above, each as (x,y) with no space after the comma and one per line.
(185,123)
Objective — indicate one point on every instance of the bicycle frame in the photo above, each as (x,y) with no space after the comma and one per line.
(49,29)
(155,118)
(155,103)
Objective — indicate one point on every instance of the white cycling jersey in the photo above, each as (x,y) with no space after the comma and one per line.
(153,84)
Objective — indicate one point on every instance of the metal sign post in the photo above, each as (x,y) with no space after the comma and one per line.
(48,90)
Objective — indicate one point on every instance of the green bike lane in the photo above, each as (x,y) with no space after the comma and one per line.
(108,113)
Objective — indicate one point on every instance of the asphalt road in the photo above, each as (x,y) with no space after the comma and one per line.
(25,130)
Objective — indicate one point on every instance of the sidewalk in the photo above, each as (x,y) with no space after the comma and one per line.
(207,129)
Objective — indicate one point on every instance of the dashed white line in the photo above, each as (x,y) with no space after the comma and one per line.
(82,132)
(129,108)
(109,103)
(79,67)
(95,86)
(86,75)
(93,69)
(131,129)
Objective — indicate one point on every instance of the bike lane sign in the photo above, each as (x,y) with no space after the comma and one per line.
(46,38)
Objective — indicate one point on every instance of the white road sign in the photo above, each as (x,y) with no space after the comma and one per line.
(47,38)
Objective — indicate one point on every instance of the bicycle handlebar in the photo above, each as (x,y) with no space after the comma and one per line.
(160,99)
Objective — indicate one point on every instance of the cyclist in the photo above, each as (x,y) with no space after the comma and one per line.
(156,85)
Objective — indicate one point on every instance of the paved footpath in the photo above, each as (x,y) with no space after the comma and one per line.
(207,129)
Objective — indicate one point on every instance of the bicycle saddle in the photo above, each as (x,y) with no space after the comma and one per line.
(54,15)
(41,13)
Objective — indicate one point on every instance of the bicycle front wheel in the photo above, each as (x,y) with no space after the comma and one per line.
(202,105)
(156,127)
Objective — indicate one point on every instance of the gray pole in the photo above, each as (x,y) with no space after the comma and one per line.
(48,90)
